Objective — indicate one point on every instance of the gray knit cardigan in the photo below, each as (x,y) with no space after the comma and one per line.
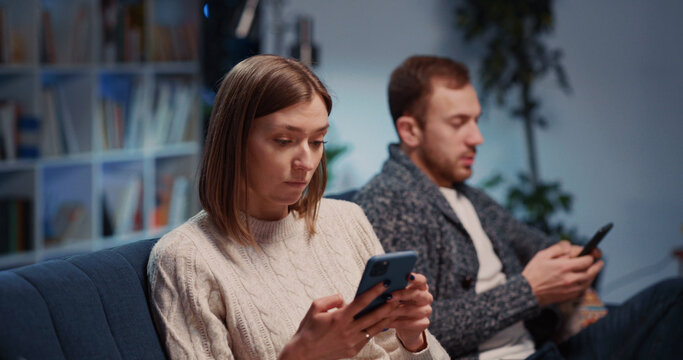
(408,211)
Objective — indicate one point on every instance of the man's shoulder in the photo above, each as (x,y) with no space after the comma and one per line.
(385,189)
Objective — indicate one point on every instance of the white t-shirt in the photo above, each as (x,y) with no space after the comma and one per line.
(513,342)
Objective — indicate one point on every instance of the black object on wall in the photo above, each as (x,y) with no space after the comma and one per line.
(222,48)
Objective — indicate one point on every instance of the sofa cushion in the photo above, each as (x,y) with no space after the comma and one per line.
(83,307)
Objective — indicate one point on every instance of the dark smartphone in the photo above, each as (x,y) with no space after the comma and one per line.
(593,243)
(394,267)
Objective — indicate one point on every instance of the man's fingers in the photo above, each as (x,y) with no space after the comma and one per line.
(595,268)
(560,249)
(579,264)
(575,250)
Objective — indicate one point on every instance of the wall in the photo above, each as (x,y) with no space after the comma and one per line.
(614,141)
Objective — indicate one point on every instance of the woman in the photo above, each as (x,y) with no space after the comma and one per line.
(269,269)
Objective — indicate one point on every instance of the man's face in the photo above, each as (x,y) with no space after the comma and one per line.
(450,134)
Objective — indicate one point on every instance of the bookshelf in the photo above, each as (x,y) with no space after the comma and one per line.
(99,123)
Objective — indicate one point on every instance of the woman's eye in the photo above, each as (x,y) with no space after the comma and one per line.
(318,143)
(283,142)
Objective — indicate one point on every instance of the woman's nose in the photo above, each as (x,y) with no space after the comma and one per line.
(305,159)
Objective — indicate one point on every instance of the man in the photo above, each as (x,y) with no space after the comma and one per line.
(488,272)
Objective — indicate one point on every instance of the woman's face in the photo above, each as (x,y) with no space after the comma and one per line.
(283,151)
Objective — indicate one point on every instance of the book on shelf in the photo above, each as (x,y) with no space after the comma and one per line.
(179,201)
(19,133)
(122,205)
(147,119)
(69,224)
(175,103)
(4,39)
(162,201)
(16,225)
(175,43)
(59,131)
(100,127)
(17,47)
(128,207)
(29,145)
(108,16)
(49,47)
(157,130)
(137,115)
(74,44)
(66,122)
(8,129)
(79,38)
(112,123)
(184,104)
(123,31)
(172,202)
(51,144)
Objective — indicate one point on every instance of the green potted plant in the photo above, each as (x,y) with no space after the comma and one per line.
(515,59)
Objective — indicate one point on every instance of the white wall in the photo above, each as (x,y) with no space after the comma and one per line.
(614,142)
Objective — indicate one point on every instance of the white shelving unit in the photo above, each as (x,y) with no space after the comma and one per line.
(106,123)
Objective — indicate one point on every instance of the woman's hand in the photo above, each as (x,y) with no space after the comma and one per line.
(325,334)
(411,317)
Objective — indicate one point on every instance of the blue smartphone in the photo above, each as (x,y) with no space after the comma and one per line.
(394,267)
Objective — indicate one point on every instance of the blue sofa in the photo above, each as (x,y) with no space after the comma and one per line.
(91,306)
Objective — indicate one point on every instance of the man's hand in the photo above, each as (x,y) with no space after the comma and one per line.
(556,275)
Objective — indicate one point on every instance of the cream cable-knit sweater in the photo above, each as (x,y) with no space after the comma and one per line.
(214,299)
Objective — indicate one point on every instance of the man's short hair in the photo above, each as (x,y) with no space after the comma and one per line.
(411,83)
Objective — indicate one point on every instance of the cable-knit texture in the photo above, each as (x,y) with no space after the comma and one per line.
(215,299)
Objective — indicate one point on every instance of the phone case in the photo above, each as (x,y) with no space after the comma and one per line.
(395,267)
(593,243)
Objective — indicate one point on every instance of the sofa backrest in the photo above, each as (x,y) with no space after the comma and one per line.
(347,195)
(91,306)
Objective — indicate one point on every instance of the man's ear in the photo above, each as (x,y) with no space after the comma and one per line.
(409,131)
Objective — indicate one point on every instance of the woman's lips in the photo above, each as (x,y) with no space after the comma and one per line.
(297,184)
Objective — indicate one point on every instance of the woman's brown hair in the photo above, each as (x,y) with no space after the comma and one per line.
(257,86)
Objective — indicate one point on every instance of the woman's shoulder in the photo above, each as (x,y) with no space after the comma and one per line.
(336,208)
(187,236)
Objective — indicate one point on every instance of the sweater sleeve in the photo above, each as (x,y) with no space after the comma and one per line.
(393,347)
(188,310)
(524,240)
(460,323)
